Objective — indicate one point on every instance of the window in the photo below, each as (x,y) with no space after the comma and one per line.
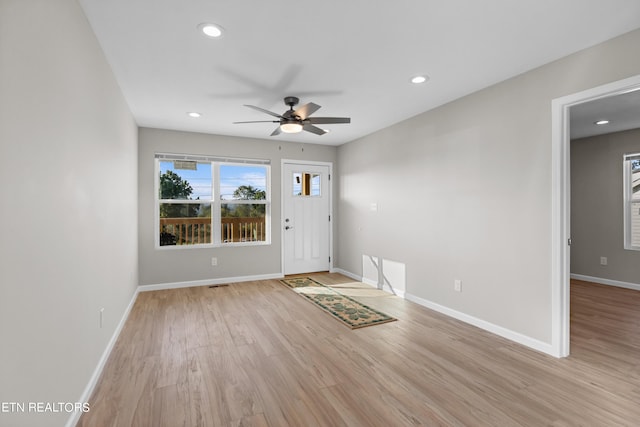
(632,201)
(208,201)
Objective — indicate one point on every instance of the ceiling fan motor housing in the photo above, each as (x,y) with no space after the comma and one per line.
(291,101)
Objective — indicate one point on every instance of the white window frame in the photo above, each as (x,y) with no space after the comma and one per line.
(216,202)
(629,204)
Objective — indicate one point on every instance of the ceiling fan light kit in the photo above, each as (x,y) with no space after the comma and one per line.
(291,127)
(294,121)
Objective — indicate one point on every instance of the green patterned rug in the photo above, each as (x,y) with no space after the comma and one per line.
(349,311)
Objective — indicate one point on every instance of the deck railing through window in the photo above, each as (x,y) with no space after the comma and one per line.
(193,231)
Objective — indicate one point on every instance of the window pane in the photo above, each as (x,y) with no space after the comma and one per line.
(635,224)
(635,180)
(306,184)
(185,223)
(243,222)
(238,182)
(185,180)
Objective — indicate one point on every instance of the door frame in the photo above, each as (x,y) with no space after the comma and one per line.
(282,195)
(561,204)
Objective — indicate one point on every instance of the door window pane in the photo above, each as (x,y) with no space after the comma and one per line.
(635,180)
(306,184)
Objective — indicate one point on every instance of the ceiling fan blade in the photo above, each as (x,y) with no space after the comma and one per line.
(276,131)
(306,110)
(271,113)
(258,121)
(328,120)
(313,129)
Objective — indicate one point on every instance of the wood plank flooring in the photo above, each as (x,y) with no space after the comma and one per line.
(257,354)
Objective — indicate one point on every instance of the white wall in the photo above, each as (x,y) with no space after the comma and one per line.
(597,207)
(68,245)
(174,265)
(464,192)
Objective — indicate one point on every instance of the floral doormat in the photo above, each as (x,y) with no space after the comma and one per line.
(349,311)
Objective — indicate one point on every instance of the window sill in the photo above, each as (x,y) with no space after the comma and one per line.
(210,246)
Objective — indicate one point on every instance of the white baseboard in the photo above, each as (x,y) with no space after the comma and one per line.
(208,282)
(609,282)
(347,273)
(369,282)
(93,381)
(394,291)
(487,326)
(482,324)
(398,292)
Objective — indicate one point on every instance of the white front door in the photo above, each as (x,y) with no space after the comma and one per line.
(306,221)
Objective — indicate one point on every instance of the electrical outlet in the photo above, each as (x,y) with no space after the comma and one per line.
(457,285)
(603,260)
(214,261)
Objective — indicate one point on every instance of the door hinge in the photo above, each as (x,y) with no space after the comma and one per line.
(329,259)
(329,218)
(329,177)
(569,241)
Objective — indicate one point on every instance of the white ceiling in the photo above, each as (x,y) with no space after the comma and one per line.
(353,57)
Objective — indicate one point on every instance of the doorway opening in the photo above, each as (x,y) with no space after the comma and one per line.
(560,204)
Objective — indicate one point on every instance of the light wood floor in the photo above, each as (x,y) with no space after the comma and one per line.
(257,354)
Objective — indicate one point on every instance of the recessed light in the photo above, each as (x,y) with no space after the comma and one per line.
(211,30)
(194,114)
(419,79)
(602,122)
